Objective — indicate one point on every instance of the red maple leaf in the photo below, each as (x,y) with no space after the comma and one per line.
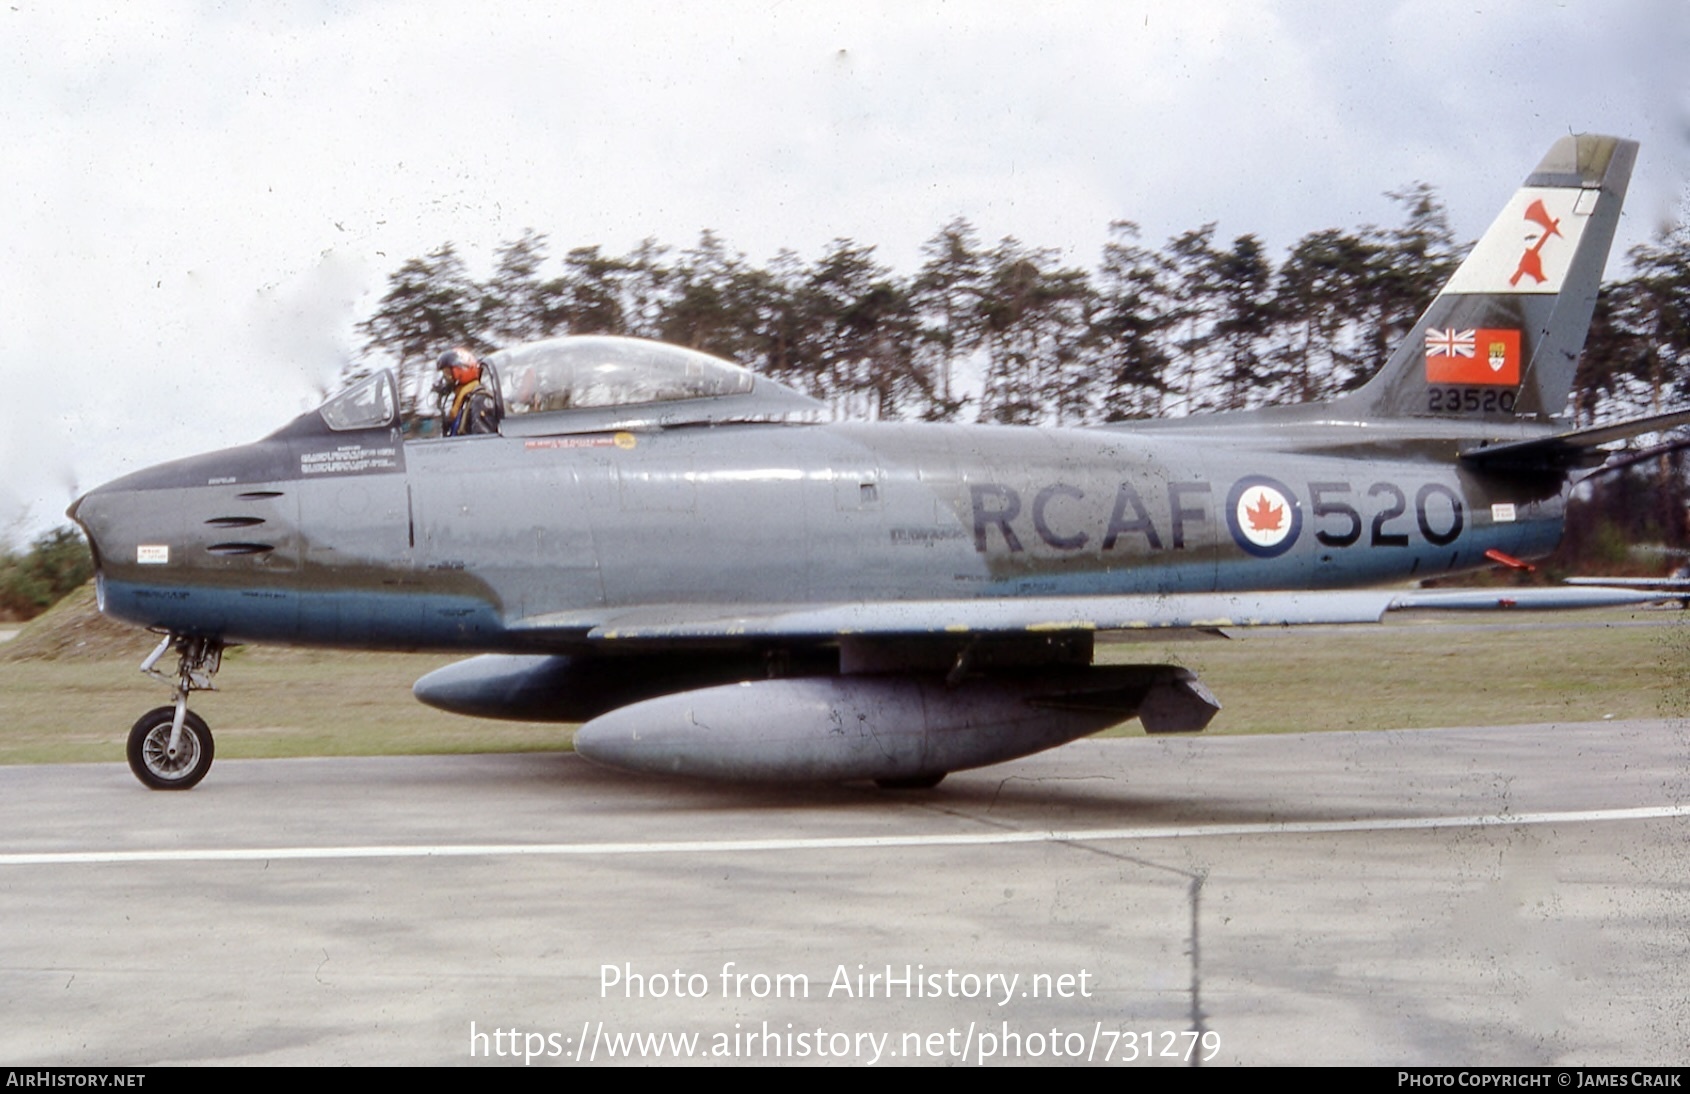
(1265,517)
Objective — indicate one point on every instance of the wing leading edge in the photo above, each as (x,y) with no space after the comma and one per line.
(1034,615)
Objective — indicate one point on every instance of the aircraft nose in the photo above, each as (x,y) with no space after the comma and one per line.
(88,511)
(93,513)
(129,521)
(139,519)
(179,545)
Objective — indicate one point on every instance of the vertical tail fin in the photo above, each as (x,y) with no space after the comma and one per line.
(1503,338)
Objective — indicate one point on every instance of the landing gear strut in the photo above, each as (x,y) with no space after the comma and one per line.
(170,748)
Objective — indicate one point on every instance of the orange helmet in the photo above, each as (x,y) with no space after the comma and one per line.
(461,363)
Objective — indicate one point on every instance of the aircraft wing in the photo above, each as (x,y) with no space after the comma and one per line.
(1056,614)
(1663,584)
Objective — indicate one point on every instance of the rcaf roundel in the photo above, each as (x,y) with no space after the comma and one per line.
(1263,515)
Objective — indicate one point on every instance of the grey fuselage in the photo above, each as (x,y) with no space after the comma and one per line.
(714,583)
(363,539)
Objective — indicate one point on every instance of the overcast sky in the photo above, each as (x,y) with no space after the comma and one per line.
(201,199)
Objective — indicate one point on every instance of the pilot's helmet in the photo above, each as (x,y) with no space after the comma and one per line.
(461,364)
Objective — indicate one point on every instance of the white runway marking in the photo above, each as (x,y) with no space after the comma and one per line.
(721,847)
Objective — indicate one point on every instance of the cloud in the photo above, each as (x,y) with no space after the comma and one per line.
(202,201)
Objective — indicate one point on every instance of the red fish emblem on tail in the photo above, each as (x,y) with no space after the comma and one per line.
(1531,263)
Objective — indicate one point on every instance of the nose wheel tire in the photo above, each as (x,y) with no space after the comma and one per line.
(149,750)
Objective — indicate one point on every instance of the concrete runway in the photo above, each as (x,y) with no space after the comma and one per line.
(1464,896)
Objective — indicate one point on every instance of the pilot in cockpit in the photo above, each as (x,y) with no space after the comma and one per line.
(467,405)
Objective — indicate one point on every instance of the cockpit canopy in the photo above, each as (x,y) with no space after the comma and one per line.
(579,373)
(566,385)
(586,384)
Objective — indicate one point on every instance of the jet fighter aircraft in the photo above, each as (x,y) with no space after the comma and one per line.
(685,557)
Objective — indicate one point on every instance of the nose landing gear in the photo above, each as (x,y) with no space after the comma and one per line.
(170,748)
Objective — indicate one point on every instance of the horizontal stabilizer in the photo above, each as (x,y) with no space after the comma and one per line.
(1575,448)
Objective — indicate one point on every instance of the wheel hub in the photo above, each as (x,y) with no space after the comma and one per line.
(161,761)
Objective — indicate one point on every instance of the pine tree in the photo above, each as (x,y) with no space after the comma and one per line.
(1131,325)
(946,301)
(431,305)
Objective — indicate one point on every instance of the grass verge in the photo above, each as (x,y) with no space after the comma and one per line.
(1409,674)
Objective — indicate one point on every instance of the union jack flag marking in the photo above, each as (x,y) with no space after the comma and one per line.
(1450,343)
